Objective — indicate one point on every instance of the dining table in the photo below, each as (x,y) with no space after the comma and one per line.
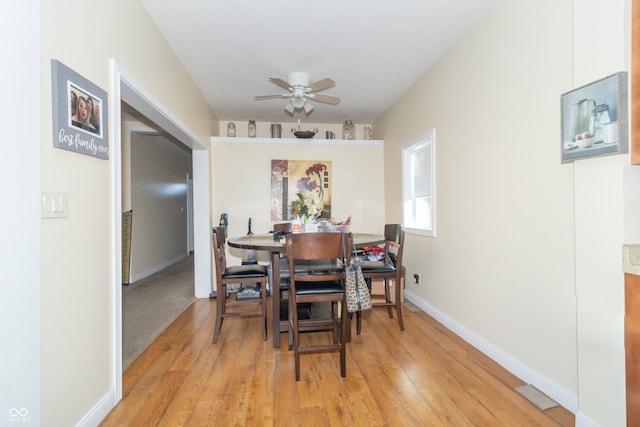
(266,242)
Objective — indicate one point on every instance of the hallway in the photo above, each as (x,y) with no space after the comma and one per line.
(151,304)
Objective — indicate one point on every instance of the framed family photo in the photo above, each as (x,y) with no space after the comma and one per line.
(595,119)
(79,113)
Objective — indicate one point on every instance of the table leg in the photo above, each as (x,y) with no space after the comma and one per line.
(275,297)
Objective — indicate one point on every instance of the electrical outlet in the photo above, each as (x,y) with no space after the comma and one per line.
(416,279)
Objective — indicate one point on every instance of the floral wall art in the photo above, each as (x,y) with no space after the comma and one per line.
(300,187)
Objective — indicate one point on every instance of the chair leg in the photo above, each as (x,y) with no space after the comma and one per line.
(263,302)
(358,322)
(343,337)
(387,296)
(290,324)
(399,302)
(220,302)
(293,313)
(336,324)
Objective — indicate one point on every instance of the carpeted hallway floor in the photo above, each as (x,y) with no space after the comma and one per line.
(151,304)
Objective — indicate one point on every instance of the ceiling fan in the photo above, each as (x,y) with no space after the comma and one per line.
(300,91)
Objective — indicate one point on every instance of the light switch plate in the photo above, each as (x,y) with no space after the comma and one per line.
(55,204)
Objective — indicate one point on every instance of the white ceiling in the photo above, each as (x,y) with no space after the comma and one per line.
(375,50)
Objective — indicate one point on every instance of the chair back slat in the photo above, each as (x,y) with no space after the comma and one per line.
(394,244)
(282,226)
(316,246)
(219,237)
(326,253)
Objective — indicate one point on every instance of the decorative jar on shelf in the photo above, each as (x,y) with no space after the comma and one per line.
(276,130)
(348,130)
(252,129)
(231,130)
(366,133)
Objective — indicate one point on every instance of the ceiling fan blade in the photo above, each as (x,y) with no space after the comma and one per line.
(327,99)
(284,95)
(323,84)
(279,82)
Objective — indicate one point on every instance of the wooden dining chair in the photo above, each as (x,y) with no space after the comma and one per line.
(320,281)
(388,269)
(241,274)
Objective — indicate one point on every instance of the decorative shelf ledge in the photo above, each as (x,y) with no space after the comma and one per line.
(319,141)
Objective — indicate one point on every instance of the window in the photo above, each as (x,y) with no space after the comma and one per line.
(418,185)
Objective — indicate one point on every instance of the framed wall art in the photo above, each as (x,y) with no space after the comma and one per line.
(79,113)
(300,188)
(595,119)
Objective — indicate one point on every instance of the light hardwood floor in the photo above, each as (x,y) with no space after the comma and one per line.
(425,376)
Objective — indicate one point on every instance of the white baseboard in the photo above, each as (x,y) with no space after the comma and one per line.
(157,268)
(98,413)
(552,389)
(584,421)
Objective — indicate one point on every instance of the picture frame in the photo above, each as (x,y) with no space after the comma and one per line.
(595,119)
(300,187)
(79,113)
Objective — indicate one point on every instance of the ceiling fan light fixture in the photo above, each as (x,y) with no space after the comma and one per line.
(308,107)
(298,102)
(289,107)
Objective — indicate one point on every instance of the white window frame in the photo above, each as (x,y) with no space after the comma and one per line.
(423,148)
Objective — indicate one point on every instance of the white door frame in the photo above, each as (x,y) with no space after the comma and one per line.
(189,214)
(126,88)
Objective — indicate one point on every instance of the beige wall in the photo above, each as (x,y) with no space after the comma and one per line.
(77,252)
(358,175)
(526,264)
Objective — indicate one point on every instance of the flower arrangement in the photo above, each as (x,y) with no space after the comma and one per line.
(308,206)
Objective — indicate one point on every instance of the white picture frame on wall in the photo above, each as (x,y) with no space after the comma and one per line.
(79,113)
(595,119)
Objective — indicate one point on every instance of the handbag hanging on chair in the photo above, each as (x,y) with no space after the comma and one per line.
(358,296)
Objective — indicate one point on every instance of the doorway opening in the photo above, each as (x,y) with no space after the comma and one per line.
(126,89)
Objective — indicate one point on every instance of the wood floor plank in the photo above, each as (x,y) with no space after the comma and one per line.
(425,375)
(197,363)
(482,384)
(401,396)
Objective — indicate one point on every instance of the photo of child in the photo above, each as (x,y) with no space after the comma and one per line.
(84,110)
